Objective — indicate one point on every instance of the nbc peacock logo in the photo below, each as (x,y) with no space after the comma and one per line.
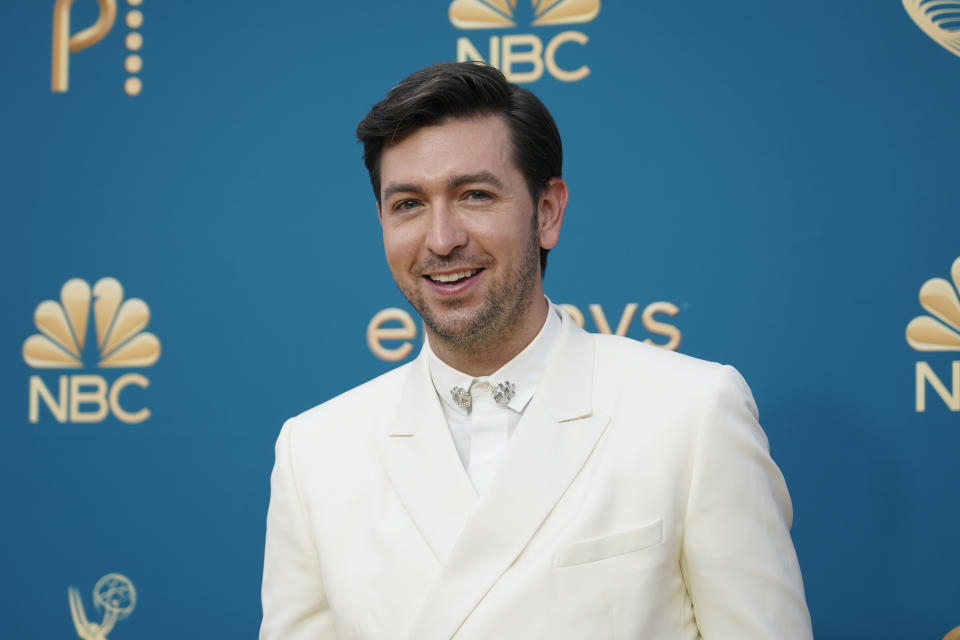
(939,19)
(522,57)
(121,343)
(939,331)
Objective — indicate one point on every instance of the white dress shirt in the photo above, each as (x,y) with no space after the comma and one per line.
(481,432)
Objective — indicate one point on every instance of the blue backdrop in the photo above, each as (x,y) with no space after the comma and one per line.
(784,174)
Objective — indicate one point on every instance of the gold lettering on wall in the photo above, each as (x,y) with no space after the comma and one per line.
(950,397)
(377,333)
(403,327)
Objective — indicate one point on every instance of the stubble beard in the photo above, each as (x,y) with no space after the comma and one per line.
(498,315)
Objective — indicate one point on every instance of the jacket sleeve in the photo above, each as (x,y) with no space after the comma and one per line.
(294,603)
(738,559)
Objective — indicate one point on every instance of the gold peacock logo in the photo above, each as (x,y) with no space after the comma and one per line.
(119,326)
(939,331)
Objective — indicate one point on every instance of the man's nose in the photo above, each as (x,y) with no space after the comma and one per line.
(446,231)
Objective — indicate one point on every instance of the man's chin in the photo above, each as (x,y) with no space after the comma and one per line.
(454,328)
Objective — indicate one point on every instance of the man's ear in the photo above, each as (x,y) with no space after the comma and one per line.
(550,208)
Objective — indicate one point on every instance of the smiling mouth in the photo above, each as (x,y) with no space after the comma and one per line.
(452,278)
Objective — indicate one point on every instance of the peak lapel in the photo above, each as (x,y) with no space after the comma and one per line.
(422,463)
(553,440)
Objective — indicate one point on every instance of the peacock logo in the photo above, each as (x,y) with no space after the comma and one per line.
(939,331)
(119,324)
(62,343)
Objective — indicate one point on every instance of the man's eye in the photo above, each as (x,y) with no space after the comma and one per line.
(478,195)
(405,205)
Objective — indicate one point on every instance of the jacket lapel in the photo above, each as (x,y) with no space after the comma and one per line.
(553,440)
(423,465)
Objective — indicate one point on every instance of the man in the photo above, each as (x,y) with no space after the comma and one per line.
(521,478)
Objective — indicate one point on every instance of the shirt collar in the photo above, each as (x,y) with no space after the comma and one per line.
(524,370)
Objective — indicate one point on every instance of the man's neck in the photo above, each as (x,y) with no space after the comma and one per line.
(483,359)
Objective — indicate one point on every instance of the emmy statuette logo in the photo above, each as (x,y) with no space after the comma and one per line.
(66,43)
(939,19)
(114,595)
(522,57)
(120,341)
(939,331)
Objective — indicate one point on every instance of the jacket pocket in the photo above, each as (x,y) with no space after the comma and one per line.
(612,545)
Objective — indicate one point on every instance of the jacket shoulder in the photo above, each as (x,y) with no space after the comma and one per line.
(633,357)
(662,377)
(357,409)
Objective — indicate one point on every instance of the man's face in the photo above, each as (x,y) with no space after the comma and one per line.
(460,231)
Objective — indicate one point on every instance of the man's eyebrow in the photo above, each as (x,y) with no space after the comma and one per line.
(480,176)
(403,187)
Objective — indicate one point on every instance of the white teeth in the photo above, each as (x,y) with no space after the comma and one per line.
(452,277)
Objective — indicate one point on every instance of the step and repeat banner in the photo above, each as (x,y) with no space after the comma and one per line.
(192,255)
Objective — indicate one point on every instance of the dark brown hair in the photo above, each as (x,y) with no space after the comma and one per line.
(463,90)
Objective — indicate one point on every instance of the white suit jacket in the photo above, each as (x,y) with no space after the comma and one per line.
(636,499)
